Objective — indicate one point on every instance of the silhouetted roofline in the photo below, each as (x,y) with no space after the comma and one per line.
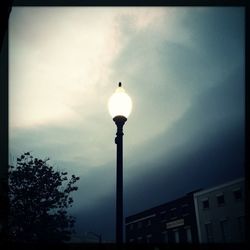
(214,188)
(152,209)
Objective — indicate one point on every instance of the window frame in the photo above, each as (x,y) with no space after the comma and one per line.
(239,190)
(219,203)
(225,231)
(203,202)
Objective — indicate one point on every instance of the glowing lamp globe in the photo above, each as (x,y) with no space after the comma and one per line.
(120,104)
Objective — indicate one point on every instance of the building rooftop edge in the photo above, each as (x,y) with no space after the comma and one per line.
(195,193)
(229,183)
(161,205)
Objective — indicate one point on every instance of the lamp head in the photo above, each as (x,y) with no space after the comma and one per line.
(120,104)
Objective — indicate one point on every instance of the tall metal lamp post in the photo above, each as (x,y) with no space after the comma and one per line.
(120,106)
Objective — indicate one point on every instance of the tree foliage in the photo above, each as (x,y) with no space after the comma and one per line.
(38,199)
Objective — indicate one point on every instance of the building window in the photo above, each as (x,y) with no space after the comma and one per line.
(131,240)
(205,204)
(184,209)
(163,215)
(139,224)
(131,226)
(220,200)
(237,194)
(241,226)
(148,223)
(165,236)
(189,235)
(225,231)
(173,213)
(176,236)
(209,232)
(149,238)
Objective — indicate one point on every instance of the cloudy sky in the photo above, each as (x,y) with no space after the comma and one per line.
(184,70)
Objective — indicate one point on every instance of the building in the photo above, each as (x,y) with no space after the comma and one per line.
(172,222)
(220,213)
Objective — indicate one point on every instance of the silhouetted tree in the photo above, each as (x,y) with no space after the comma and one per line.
(38,200)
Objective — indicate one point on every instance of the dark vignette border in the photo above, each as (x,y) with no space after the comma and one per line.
(5,8)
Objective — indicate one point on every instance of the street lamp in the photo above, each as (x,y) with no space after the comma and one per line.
(120,106)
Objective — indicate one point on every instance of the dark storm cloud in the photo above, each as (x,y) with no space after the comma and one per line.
(218,109)
(169,74)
